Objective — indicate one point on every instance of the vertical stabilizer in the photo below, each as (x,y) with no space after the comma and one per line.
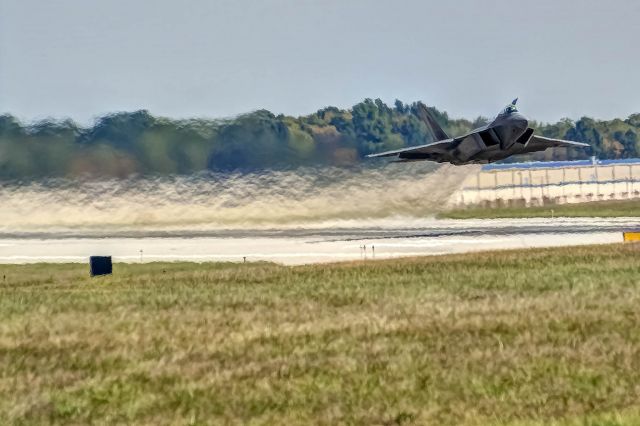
(430,121)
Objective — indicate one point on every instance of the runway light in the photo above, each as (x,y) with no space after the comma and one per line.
(100,265)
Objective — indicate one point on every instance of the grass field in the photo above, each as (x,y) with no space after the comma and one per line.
(627,208)
(545,336)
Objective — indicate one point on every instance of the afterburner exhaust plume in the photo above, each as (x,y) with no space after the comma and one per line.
(303,197)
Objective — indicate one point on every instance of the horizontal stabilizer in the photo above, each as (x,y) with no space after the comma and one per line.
(556,143)
(433,150)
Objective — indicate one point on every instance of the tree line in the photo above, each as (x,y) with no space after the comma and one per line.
(137,143)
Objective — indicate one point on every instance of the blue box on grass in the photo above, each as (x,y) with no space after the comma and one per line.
(100,265)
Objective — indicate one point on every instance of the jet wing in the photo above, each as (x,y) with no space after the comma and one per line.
(539,143)
(435,151)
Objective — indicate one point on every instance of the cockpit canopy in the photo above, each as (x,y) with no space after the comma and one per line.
(510,108)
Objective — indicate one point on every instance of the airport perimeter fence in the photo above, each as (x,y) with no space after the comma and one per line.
(541,183)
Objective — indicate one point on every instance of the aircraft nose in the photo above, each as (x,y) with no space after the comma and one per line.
(521,121)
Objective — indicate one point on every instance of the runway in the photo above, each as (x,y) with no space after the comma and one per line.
(337,241)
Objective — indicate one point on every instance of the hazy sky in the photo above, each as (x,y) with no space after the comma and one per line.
(216,58)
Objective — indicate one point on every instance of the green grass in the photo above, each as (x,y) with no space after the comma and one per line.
(545,336)
(626,208)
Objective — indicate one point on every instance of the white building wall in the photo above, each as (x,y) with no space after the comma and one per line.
(558,185)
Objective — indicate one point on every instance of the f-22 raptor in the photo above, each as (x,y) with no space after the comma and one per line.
(506,135)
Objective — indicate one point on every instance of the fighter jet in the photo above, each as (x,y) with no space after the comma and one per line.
(506,135)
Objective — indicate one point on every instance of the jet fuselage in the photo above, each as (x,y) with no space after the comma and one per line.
(506,135)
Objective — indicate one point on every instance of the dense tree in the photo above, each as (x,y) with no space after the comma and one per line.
(586,130)
(126,143)
(10,127)
(634,120)
(120,130)
(629,141)
(252,141)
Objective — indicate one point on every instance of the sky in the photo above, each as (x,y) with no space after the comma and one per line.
(219,58)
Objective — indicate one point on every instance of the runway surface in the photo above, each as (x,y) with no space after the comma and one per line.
(337,241)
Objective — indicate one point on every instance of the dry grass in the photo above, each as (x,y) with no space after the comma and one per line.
(514,337)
